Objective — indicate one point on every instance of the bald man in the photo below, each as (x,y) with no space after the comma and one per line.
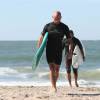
(56,30)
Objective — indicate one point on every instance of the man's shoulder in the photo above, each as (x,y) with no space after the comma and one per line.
(76,40)
(64,24)
(50,23)
(46,25)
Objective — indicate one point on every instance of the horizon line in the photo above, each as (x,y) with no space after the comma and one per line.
(37,40)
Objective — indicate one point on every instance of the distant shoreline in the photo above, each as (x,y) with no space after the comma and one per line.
(37,40)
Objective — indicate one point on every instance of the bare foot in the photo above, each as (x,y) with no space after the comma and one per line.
(53,90)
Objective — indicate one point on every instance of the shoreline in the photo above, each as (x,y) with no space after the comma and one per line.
(43,93)
(81,83)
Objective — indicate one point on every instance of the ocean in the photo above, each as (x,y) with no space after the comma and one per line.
(16,65)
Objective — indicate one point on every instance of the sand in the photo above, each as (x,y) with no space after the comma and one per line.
(43,93)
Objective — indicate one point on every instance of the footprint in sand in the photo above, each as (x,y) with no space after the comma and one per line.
(43,97)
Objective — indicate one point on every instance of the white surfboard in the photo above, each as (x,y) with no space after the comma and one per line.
(77,58)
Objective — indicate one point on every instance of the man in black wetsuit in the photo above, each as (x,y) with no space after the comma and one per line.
(69,45)
(56,30)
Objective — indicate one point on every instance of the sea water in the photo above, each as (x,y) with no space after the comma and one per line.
(16,59)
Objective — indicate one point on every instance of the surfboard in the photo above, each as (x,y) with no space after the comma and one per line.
(39,52)
(77,58)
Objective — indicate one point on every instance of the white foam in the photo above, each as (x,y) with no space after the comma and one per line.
(82,82)
(43,74)
(22,75)
(5,70)
(31,83)
(19,83)
(98,69)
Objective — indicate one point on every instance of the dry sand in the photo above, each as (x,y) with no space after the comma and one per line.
(43,93)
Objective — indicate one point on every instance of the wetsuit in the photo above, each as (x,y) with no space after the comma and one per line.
(54,42)
(75,42)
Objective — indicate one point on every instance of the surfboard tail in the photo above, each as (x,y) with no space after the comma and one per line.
(77,59)
(34,64)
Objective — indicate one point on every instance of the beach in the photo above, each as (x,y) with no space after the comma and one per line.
(43,93)
(19,82)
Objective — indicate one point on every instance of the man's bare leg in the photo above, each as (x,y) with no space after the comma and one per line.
(68,69)
(56,72)
(69,78)
(76,77)
(53,76)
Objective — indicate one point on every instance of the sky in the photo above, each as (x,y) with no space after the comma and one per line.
(25,19)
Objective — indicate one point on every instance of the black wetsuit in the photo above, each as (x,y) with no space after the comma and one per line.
(75,40)
(54,42)
(69,61)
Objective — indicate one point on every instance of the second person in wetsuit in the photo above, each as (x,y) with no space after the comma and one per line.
(69,45)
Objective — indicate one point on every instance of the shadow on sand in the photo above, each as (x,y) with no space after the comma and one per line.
(84,94)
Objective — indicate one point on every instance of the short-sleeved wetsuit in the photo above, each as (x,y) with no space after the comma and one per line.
(54,42)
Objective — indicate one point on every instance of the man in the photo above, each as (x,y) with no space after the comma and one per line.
(69,47)
(56,30)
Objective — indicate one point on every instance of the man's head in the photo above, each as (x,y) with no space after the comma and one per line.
(56,17)
(71,33)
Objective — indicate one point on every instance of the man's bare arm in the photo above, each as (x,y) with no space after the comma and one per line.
(39,41)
